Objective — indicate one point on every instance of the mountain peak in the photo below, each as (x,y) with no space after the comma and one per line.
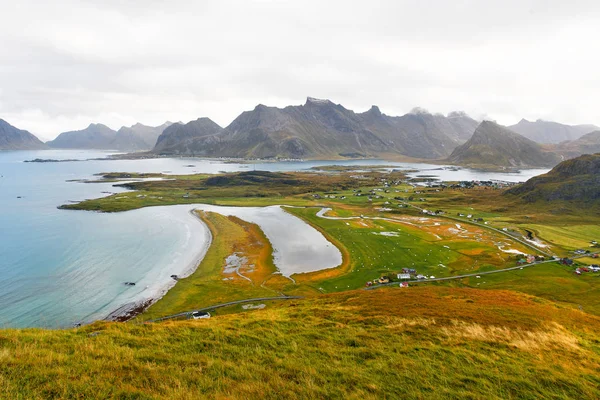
(314,100)
(495,145)
(374,110)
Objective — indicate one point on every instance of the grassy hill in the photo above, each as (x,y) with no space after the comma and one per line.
(429,342)
(572,180)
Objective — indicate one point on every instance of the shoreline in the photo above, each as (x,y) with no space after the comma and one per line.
(131,310)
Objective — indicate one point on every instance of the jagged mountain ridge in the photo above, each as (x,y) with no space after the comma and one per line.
(320,128)
(12,138)
(495,145)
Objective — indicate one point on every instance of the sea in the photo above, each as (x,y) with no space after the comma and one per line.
(62,267)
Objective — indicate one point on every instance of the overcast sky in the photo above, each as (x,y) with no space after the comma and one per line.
(67,63)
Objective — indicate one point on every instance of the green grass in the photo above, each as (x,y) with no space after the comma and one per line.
(420,343)
(372,254)
(569,236)
(551,281)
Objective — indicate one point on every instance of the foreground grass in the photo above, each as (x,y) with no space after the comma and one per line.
(393,343)
(552,281)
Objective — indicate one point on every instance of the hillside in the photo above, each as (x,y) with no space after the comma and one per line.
(542,131)
(12,138)
(587,144)
(428,342)
(495,145)
(138,137)
(320,128)
(95,136)
(572,180)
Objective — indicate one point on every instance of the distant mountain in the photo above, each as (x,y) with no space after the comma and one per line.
(572,180)
(95,136)
(495,145)
(12,138)
(587,144)
(138,137)
(190,138)
(320,128)
(101,137)
(550,132)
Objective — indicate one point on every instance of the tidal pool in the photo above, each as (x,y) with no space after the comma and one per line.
(297,246)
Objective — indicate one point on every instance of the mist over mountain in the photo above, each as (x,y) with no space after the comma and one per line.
(587,144)
(138,137)
(495,145)
(550,132)
(12,138)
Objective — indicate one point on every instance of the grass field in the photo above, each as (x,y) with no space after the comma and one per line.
(432,246)
(417,343)
(552,281)
(371,248)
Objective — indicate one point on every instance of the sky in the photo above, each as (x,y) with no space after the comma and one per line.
(68,63)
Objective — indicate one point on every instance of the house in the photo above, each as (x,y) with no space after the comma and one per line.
(403,284)
(403,276)
(595,255)
(530,259)
(421,276)
(566,261)
(384,279)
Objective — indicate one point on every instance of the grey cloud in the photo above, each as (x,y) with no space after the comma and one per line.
(69,63)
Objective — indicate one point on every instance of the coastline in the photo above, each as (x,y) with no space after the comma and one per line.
(131,310)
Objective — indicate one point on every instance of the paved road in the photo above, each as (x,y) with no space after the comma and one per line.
(231,303)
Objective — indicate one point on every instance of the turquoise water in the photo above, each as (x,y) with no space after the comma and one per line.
(61,267)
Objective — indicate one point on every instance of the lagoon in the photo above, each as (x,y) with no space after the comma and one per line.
(60,267)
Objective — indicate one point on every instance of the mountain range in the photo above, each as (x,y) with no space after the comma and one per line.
(12,138)
(322,129)
(97,136)
(495,145)
(319,129)
(551,132)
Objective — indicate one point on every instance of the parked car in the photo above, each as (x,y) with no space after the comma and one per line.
(200,314)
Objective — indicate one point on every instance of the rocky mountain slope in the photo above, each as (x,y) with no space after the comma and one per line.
(495,145)
(190,138)
(138,137)
(550,132)
(572,180)
(320,128)
(12,138)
